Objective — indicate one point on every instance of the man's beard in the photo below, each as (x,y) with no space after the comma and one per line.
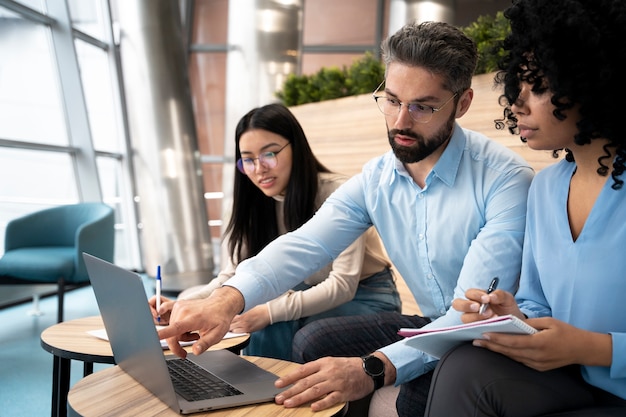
(423,147)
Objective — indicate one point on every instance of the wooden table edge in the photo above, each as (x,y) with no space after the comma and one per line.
(114,376)
(100,350)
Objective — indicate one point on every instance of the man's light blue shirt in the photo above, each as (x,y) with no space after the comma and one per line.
(462,229)
(581,282)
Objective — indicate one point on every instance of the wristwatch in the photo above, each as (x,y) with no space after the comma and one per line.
(374,367)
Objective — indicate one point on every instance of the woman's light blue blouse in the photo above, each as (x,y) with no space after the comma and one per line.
(580,282)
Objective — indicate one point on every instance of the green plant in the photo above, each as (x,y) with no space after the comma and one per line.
(294,90)
(329,83)
(488,32)
(366,73)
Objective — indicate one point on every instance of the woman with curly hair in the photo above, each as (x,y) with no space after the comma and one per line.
(563,90)
(278,186)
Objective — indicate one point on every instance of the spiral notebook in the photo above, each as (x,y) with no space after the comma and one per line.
(437,342)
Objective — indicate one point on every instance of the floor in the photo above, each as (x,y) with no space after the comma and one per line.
(25,368)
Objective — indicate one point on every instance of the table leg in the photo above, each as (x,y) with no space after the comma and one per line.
(60,386)
(55,386)
(87,368)
(64,385)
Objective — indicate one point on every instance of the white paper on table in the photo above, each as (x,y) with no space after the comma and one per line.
(102,334)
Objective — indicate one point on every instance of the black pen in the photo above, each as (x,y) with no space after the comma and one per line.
(492,288)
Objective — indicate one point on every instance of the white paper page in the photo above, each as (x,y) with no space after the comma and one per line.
(102,334)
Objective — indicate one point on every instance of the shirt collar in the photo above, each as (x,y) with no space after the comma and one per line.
(447,166)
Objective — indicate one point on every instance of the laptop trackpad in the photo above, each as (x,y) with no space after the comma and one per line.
(231,368)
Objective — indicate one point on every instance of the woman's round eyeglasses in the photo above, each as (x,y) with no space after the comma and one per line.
(420,113)
(267,159)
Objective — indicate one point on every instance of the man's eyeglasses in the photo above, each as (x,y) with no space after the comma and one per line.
(267,159)
(420,113)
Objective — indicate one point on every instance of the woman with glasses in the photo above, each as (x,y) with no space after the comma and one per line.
(279,185)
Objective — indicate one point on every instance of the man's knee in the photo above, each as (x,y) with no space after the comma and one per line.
(310,342)
(333,336)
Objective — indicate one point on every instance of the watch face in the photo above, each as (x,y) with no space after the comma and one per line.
(374,365)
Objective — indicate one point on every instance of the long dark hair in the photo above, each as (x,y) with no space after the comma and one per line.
(253,221)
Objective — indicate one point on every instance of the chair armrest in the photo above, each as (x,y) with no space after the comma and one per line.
(96,238)
(30,230)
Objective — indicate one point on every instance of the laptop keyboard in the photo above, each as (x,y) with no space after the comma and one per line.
(195,383)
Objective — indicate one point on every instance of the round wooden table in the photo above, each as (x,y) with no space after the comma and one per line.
(112,392)
(69,340)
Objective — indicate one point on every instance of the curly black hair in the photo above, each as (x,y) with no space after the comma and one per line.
(574,48)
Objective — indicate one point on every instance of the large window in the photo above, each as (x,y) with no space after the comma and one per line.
(31,108)
(62,135)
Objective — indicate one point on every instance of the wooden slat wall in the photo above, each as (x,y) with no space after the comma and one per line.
(347,132)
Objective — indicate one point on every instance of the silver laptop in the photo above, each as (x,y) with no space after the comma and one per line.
(131,330)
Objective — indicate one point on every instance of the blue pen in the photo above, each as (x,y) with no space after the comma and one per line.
(158,292)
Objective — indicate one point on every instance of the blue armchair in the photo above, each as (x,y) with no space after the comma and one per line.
(46,246)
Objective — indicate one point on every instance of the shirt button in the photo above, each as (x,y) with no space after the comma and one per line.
(420,236)
(420,196)
(430,276)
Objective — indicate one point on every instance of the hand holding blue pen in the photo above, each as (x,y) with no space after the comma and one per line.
(158,292)
(492,288)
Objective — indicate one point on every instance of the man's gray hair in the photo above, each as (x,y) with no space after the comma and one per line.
(438,47)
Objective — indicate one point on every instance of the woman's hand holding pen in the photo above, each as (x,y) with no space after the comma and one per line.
(500,302)
(165,309)
(557,344)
